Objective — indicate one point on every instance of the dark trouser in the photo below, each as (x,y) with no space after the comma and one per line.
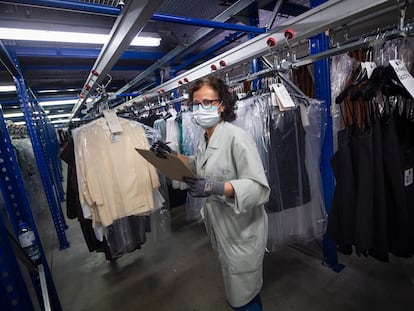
(254,305)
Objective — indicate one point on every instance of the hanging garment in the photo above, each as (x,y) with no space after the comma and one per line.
(288,177)
(237,225)
(303,222)
(73,206)
(380,236)
(115,181)
(160,125)
(398,223)
(341,218)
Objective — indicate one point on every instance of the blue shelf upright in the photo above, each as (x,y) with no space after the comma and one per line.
(321,70)
(13,291)
(39,150)
(18,208)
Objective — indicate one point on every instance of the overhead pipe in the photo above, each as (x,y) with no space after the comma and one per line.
(160,17)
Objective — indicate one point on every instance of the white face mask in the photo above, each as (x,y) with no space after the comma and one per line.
(206,117)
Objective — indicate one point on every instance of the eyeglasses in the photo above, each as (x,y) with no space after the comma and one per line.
(205,103)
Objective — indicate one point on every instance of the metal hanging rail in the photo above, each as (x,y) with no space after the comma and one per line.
(224,16)
(331,14)
(129,23)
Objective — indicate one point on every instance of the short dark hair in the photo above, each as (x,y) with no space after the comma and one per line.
(218,85)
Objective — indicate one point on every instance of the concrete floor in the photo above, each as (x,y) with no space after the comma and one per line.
(180,272)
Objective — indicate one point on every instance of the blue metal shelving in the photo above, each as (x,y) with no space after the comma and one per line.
(18,208)
(37,135)
(321,69)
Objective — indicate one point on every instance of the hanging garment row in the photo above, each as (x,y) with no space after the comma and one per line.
(111,191)
(372,209)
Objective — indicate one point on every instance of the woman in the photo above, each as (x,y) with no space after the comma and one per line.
(234,186)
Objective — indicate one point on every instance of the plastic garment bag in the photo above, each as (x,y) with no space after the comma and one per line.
(192,133)
(118,189)
(295,209)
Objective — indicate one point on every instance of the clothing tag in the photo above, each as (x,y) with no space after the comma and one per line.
(403,75)
(369,67)
(304,115)
(408,177)
(274,99)
(112,121)
(284,99)
(241,95)
(115,137)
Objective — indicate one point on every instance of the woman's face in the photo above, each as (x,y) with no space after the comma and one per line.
(207,95)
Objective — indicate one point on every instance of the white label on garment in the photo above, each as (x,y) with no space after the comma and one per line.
(369,67)
(408,177)
(274,99)
(241,95)
(115,137)
(304,115)
(112,121)
(403,75)
(283,97)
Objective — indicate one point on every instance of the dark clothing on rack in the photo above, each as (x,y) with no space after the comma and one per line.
(73,206)
(288,177)
(341,218)
(372,208)
(398,224)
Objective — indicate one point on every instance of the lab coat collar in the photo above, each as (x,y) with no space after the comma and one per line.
(214,142)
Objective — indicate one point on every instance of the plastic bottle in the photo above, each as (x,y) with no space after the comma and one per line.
(27,240)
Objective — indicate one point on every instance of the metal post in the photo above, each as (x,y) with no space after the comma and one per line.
(321,71)
(13,291)
(58,221)
(18,206)
(255,63)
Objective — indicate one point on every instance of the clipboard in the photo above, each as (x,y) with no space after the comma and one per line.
(171,166)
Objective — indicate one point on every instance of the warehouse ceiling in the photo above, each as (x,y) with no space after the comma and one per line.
(58,71)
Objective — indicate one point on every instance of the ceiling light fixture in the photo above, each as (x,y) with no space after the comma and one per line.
(7,88)
(70,37)
(59,121)
(13,115)
(57,102)
(62,115)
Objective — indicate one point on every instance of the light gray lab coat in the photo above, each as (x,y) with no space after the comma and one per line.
(237,226)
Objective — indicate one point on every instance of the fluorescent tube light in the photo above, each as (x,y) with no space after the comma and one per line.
(62,115)
(20,122)
(59,121)
(13,115)
(7,88)
(57,91)
(70,37)
(57,102)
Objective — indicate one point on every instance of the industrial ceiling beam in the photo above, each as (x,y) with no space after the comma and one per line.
(287,8)
(224,16)
(26,51)
(331,14)
(129,23)
(160,17)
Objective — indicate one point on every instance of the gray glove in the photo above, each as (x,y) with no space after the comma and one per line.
(160,149)
(204,187)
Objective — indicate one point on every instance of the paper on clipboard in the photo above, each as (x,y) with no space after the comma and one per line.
(171,166)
